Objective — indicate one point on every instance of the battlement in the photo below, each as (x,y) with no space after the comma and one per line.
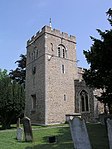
(54,32)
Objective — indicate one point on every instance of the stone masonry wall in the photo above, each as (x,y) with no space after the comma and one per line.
(54,90)
(59,85)
(35,80)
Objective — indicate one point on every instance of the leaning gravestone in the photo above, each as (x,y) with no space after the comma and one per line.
(79,133)
(109,128)
(27,129)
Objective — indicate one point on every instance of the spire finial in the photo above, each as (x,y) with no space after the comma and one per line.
(50,23)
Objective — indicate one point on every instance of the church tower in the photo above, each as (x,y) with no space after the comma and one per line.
(50,73)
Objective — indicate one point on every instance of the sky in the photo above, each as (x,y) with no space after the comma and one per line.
(21,19)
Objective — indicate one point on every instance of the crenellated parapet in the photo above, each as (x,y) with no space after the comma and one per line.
(54,32)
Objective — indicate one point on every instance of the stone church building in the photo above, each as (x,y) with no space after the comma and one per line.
(54,85)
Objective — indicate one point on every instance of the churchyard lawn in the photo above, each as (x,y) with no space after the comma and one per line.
(97,134)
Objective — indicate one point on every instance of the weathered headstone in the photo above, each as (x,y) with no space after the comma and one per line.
(19,134)
(109,128)
(27,129)
(71,116)
(18,123)
(79,133)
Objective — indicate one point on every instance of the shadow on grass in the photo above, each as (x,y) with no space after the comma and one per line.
(7,128)
(63,140)
(98,136)
(53,146)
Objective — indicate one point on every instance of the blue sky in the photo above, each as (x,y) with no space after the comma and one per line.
(20,19)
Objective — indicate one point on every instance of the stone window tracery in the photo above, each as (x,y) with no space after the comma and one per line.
(62,52)
(58,51)
(84,101)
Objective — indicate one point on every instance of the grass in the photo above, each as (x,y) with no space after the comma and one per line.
(97,134)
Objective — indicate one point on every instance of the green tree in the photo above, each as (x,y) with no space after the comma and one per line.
(99,57)
(12,100)
(19,74)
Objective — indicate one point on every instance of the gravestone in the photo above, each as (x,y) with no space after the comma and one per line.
(109,128)
(27,129)
(71,116)
(19,134)
(18,123)
(79,133)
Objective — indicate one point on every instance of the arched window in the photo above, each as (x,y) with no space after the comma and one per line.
(59,52)
(62,51)
(84,101)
